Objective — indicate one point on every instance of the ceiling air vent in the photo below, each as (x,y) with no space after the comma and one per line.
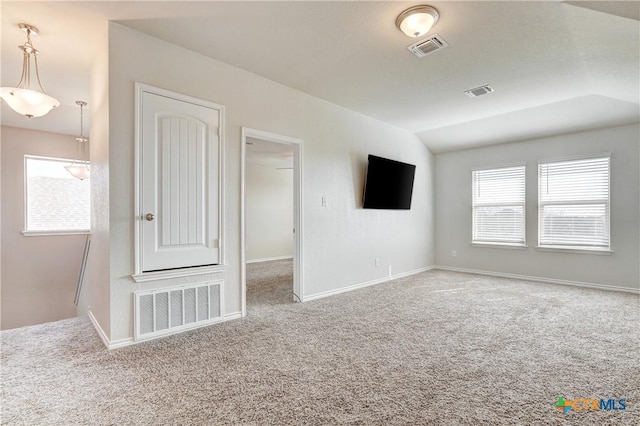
(479,91)
(427,46)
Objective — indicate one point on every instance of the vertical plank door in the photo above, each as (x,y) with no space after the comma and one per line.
(179,191)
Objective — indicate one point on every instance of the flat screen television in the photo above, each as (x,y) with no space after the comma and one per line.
(388,185)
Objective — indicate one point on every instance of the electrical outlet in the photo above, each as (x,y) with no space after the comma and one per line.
(377,262)
(454,253)
(324,201)
(390,271)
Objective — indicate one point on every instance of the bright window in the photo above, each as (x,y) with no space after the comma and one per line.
(499,206)
(573,204)
(55,202)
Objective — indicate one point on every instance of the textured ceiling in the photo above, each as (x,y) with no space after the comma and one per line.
(556,67)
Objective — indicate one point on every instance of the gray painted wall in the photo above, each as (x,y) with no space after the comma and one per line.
(453,210)
(39,273)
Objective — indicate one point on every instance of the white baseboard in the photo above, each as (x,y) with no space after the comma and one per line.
(99,329)
(103,336)
(269,259)
(121,343)
(233,316)
(365,284)
(540,279)
(409,273)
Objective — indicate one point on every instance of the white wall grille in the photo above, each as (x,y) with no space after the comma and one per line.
(175,309)
(479,91)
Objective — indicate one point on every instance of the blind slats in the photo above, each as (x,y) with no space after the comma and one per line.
(573,203)
(498,205)
(54,200)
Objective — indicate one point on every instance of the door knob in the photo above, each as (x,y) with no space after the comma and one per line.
(149,217)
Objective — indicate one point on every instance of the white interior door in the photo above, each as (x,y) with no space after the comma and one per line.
(179,191)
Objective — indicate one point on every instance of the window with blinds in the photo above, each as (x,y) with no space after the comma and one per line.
(573,204)
(499,206)
(55,202)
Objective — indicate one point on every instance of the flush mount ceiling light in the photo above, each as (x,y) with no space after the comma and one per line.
(417,21)
(79,168)
(22,99)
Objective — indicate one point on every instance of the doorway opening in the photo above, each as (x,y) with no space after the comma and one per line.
(271,217)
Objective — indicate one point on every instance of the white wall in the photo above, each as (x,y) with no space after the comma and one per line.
(269,211)
(39,273)
(1,228)
(96,295)
(341,240)
(453,210)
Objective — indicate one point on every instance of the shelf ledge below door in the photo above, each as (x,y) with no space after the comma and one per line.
(177,273)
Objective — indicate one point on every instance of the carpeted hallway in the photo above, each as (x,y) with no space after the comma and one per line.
(269,284)
(435,348)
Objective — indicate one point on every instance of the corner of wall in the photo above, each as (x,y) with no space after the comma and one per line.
(96,302)
(1,128)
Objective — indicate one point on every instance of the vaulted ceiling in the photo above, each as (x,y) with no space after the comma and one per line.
(556,67)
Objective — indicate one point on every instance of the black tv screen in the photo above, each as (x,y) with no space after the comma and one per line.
(388,185)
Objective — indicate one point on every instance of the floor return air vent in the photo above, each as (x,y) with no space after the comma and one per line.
(428,46)
(173,309)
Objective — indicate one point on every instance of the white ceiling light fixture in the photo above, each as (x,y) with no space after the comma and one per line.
(79,168)
(417,20)
(22,99)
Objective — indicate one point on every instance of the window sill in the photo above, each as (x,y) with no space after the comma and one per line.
(49,233)
(561,249)
(502,246)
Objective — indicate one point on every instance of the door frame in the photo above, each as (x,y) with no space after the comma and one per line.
(296,145)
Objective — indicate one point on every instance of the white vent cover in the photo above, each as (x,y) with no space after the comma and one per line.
(174,309)
(427,46)
(479,91)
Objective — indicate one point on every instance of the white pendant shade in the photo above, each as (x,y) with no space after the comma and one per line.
(417,21)
(79,171)
(27,102)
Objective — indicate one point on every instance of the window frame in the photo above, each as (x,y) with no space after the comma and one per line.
(499,244)
(575,248)
(37,233)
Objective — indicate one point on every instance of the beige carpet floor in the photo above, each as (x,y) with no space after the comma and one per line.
(436,348)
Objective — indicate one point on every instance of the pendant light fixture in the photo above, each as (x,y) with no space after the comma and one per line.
(23,99)
(417,21)
(79,168)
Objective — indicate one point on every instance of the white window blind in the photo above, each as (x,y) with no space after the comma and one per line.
(499,206)
(54,200)
(573,204)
